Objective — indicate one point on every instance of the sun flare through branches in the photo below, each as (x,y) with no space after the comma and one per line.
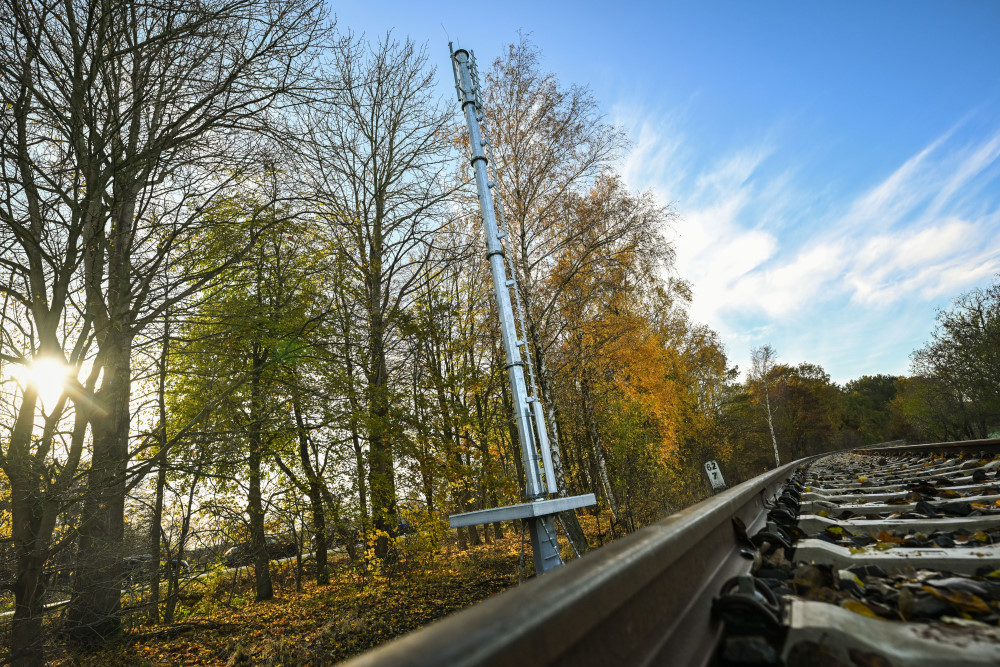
(47,375)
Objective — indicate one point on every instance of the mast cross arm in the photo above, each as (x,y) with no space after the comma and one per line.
(523,511)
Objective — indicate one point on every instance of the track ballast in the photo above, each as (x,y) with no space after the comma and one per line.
(873,559)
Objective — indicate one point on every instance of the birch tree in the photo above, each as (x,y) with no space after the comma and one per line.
(566,210)
(762,363)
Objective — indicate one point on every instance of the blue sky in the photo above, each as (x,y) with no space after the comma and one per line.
(836,166)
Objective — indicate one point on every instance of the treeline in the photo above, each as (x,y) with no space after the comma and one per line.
(248,243)
(952,393)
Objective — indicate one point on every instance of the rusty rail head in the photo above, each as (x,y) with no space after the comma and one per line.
(645,598)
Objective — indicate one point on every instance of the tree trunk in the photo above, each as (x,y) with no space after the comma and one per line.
(569,519)
(381,470)
(155,545)
(512,435)
(595,443)
(770,425)
(173,573)
(261,561)
(255,508)
(30,542)
(26,633)
(347,537)
(35,506)
(381,467)
(95,610)
(487,458)
(315,492)
(449,437)
(355,408)
(155,527)
(425,463)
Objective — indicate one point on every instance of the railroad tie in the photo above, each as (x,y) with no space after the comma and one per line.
(873,559)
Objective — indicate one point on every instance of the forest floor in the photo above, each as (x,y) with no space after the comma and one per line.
(317,625)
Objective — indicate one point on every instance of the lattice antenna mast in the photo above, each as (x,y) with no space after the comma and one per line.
(528,413)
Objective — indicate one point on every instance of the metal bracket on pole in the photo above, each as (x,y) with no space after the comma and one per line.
(540,517)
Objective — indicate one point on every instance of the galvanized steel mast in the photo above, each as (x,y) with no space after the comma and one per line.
(528,414)
(501,283)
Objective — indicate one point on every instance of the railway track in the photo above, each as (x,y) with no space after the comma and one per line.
(881,557)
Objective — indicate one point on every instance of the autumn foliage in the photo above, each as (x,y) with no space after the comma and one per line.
(267,297)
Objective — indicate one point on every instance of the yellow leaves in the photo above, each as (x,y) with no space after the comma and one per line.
(858,608)
(979,536)
(850,576)
(967,602)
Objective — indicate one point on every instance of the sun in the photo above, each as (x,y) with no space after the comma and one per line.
(48,376)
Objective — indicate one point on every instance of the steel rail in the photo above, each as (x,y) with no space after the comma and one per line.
(971,447)
(643,599)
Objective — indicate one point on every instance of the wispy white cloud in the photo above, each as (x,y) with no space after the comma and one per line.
(890,267)
(766,256)
(969,164)
(657,159)
(794,284)
(889,201)
(946,236)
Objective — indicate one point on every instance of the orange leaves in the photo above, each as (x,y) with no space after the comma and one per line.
(888,538)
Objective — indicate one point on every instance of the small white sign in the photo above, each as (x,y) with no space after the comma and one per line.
(715,475)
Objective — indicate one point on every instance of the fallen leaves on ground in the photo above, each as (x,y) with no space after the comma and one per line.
(321,625)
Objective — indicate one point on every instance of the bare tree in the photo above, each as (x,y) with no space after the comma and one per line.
(381,159)
(127,118)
